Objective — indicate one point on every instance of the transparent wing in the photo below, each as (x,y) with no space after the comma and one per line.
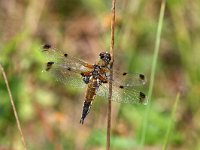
(65,68)
(66,76)
(128,79)
(123,94)
(125,79)
(64,60)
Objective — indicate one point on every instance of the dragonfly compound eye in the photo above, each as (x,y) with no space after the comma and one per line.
(105,56)
(101,55)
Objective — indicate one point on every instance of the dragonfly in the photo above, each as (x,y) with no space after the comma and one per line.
(95,77)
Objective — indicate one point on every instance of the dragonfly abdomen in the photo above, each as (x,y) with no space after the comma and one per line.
(89,97)
(86,108)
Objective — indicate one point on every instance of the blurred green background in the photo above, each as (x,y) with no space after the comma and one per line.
(49,112)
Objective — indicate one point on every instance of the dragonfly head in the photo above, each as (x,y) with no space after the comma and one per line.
(105,56)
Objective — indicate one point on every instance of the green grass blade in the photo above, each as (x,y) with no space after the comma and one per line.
(153,69)
(171,122)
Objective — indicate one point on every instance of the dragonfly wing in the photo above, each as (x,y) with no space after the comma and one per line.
(65,68)
(123,94)
(66,76)
(65,60)
(128,79)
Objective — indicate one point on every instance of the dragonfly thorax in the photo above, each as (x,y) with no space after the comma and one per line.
(93,74)
(96,71)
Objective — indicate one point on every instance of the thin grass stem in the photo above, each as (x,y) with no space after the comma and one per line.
(13,107)
(153,70)
(166,140)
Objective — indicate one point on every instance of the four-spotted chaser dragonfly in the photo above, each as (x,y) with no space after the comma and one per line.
(77,73)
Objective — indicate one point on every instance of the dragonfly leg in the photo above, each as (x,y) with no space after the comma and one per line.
(103,80)
(86,76)
(86,79)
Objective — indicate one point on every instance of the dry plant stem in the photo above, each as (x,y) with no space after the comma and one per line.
(111,75)
(13,106)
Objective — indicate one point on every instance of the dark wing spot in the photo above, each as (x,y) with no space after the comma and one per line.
(49,64)
(124,74)
(65,55)
(46,46)
(142,97)
(105,81)
(82,74)
(121,86)
(141,76)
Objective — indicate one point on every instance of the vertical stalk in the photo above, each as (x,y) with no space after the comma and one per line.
(153,70)
(169,129)
(14,108)
(111,75)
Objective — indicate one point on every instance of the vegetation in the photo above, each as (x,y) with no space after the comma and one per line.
(49,112)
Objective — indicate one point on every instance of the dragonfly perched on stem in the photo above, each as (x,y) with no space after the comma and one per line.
(78,73)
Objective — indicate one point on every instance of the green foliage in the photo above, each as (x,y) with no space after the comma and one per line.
(98,138)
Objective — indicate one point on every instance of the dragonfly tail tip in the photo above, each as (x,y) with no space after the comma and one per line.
(81,121)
